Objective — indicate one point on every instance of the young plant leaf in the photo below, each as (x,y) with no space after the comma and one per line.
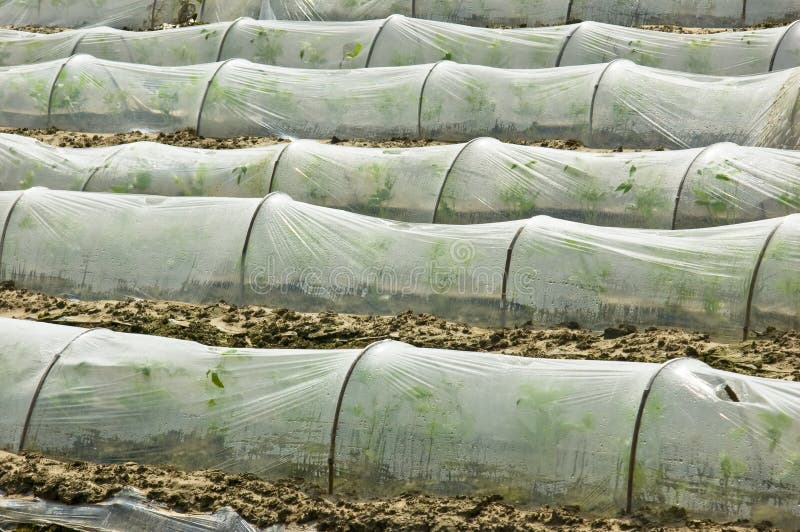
(354,52)
(625,187)
(215,380)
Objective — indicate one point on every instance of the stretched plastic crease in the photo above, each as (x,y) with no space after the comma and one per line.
(639,107)
(324,258)
(456,423)
(698,279)
(744,460)
(713,13)
(314,258)
(400,41)
(341,45)
(134,14)
(603,105)
(777,288)
(395,183)
(250,99)
(127,510)
(479,182)
(460,101)
(25,356)
(143,14)
(56,242)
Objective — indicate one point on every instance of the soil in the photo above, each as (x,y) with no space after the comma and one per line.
(188,138)
(295,503)
(704,31)
(775,355)
(33,29)
(667,28)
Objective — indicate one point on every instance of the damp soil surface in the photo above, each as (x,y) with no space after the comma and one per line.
(303,506)
(668,28)
(774,355)
(188,138)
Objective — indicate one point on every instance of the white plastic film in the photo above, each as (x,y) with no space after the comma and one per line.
(697,279)
(309,257)
(604,105)
(479,182)
(616,189)
(22,48)
(127,510)
(333,9)
(460,101)
(173,47)
(638,107)
(398,184)
(249,99)
(776,291)
(734,456)
(143,14)
(393,418)
(126,14)
(400,41)
(440,421)
(407,41)
(26,163)
(133,168)
(25,355)
(727,53)
(241,410)
(118,246)
(104,96)
(26,94)
(693,13)
(302,44)
(312,258)
(729,184)
(707,13)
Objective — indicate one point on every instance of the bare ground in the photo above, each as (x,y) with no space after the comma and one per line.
(775,355)
(296,503)
(188,138)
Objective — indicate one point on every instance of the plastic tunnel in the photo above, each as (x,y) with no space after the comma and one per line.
(712,13)
(604,105)
(143,14)
(479,182)
(132,14)
(392,418)
(127,510)
(277,252)
(401,41)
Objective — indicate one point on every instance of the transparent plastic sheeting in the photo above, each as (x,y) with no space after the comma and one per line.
(128,510)
(604,105)
(482,181)
(401,41)
(281,253)
(132,14)
(393,418)
(143,14)
(709,13)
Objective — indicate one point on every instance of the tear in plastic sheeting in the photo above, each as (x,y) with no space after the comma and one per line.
(128,510)
(400,41)
(604,105)
(478,182)
(711,13)
(278,252)
(393,418)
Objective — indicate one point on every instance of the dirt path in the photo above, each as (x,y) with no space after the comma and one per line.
(188,138)
(293,502)
(776,355)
